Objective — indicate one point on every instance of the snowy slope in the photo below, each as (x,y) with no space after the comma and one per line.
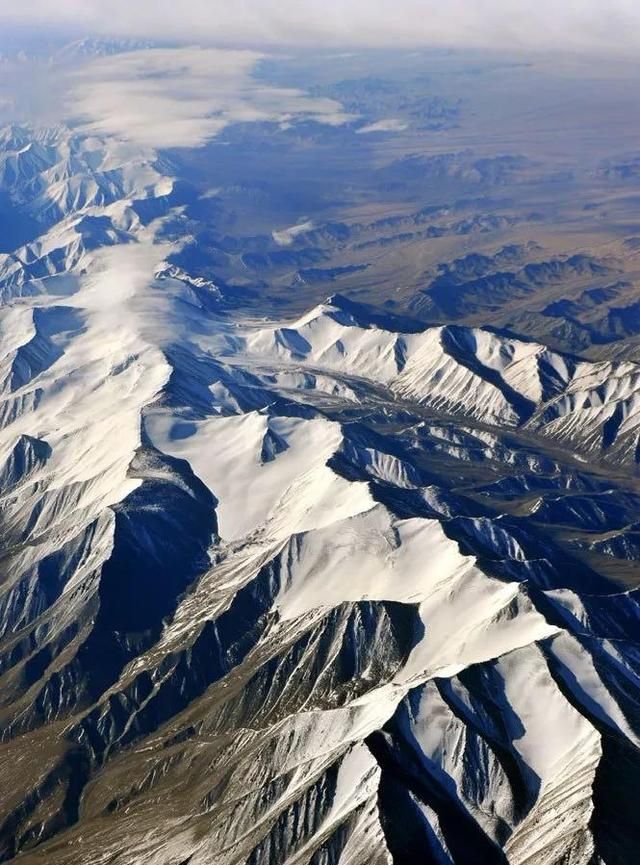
(256,605)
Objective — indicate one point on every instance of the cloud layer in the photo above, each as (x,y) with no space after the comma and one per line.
(181,97)
(609,25)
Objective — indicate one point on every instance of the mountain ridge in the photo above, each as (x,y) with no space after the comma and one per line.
(256,603)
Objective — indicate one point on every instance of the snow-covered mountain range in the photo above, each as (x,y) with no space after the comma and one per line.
(313,591)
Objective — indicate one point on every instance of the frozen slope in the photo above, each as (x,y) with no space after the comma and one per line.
(289,593)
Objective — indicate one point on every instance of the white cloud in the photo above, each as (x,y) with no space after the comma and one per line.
(286,236)
(391,124)
(548,24)
(181,97)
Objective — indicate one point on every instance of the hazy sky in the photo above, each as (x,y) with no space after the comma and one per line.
(610,25)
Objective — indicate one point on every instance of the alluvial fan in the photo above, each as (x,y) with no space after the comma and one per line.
(294,592)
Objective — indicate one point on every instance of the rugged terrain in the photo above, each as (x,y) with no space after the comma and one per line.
(290,577)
